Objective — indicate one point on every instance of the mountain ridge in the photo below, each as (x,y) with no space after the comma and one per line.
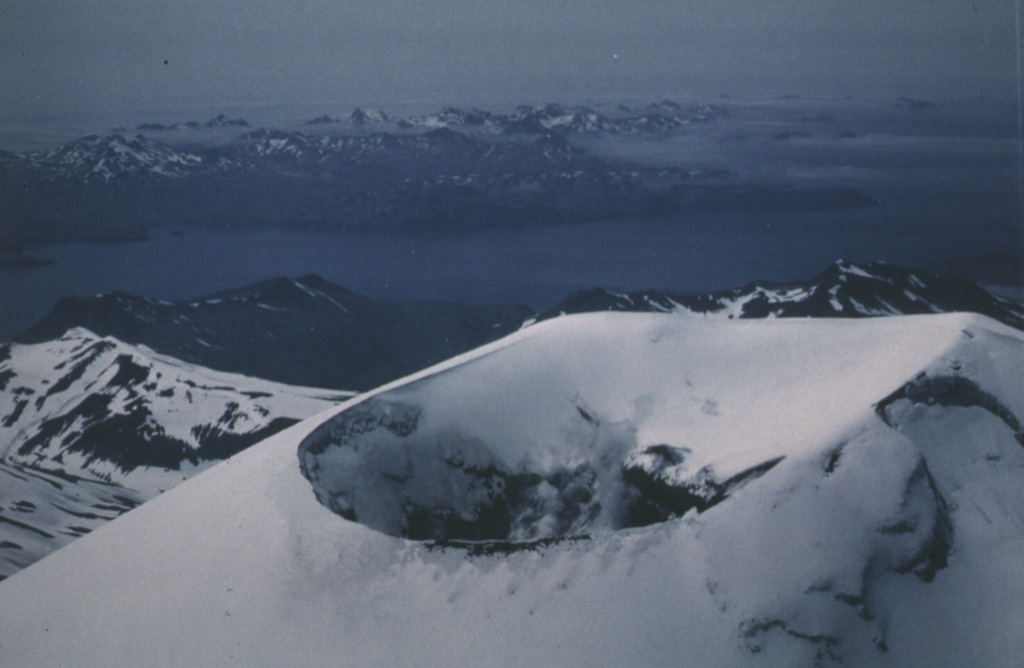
(246,328)
(844,289)
(303,332)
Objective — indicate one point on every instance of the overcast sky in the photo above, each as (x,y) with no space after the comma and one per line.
(129,54)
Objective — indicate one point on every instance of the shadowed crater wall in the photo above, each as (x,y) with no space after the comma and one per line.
(375,464)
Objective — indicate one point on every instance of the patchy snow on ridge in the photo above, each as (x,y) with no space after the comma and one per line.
(844,290)
(91,427)
(605,489)
(98,407)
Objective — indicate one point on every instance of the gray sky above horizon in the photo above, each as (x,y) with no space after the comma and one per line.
(112,55)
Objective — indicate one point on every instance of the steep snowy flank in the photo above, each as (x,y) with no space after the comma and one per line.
(43,509)
(608,489)
(91,426)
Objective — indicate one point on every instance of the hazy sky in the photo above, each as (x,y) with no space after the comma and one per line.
(127,54)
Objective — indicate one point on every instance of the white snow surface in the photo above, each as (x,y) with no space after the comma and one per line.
(890,534)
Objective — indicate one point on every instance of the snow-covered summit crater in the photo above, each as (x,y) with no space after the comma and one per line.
(386,464)
(592,423)
(375,465)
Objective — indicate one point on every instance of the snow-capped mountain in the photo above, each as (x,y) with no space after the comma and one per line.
(359,117)
(323,120)
(844,290)
(458,116)
(639,489)
(357,149)
(87,419)
(392,158)
(113,158)
(222,121)
(556,117)
(218,121)
(304,332)
(265,143)
(565,119)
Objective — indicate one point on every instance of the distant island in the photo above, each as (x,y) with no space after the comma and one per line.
(14,257)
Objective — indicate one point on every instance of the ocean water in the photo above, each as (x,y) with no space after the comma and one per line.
(534,266)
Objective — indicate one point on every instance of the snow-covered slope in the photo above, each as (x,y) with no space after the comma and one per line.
(44,509)
(91,427)
(662,490)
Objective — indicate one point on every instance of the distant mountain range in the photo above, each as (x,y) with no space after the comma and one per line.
(457,168)
(659,117)
(525,119)
(218,121)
